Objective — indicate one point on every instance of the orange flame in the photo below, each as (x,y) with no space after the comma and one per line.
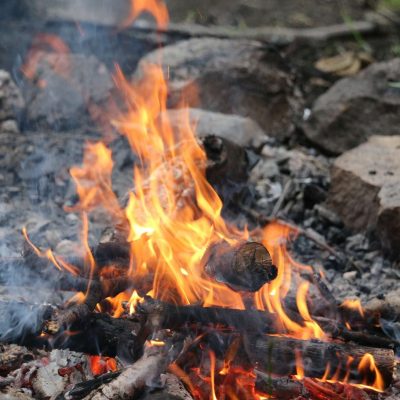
(43,45)
(212,375)
(354,304)
(367,363)
(156,8)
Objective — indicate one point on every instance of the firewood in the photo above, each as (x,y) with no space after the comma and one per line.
(173,389)
(98,333)
(278,354)
(144,372)
(226,161)
(170,316)
(246,266)
(280,388)
(82,389)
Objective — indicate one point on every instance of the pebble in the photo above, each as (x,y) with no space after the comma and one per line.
(350,275)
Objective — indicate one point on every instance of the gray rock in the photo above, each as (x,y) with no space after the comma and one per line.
(230,76)
(350,275)
(70,86)
(9,126)
(107,12)
(240,130)
(356,108)
(11,101)
(365,189)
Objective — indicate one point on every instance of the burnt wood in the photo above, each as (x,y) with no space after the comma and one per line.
(278,354)
(246,266)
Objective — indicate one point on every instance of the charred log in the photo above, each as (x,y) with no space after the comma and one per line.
(281,388)
(280,354)
(96,334)
(170,316)
(82,389)
(246,266)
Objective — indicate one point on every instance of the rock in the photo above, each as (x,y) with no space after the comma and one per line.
(64,88)
(365,189)
(240,130)
(240,77)
(9,126)
(350,275)
(11,101)
(101,12)
(356,108)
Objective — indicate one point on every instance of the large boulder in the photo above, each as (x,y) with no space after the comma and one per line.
(64,89)
(356,108)
(230,76)
(240,130)
(365,189)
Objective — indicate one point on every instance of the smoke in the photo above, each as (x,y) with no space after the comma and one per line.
(392,329)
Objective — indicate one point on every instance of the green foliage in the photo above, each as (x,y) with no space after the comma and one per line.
(393,4)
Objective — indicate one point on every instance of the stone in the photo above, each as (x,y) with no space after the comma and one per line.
(355,108)
(9,126)
(365,190)
(230,76)
(350,275)
(64,89)
(240,130)
(11,101)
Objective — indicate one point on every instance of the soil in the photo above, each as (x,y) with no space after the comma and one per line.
(256,13)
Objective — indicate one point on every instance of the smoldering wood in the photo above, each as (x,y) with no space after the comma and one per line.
(12,357)
(226,161)
(246,266)
(278,354)
(98,333)
(173,389)
(280,388)
(83,389)
(144,372)
(170,316)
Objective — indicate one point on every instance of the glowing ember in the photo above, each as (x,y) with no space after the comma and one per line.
(101,365)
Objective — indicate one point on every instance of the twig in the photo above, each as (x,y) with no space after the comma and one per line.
(282,198)
(308,233)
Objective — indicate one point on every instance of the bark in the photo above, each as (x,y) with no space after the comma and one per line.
(96,334)
(246,266)
(278,354)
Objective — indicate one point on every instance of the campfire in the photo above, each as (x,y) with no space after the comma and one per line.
(176,299)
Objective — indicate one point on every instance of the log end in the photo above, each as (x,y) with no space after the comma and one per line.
(244,267)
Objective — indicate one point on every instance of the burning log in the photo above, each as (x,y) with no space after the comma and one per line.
(97,334)
(285,356)
(171,316)
(246,266)
(281,388)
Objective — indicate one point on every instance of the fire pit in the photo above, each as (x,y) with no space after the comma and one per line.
(194,289)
